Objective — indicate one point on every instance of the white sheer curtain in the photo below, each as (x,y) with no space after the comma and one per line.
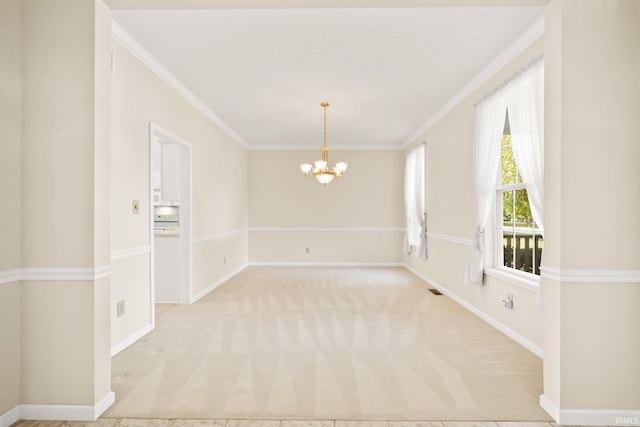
(523,96)
(414,201)
(490,115)
(525,101)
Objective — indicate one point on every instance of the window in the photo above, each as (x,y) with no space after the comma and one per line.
(509,178)
(414,202)
(521,238)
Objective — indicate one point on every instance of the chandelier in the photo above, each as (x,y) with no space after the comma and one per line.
(320,168)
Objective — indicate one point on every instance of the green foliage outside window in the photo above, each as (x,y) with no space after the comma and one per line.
(521,246)
(515,202)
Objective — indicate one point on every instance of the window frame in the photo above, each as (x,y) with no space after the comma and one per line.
(493,241)
(528,280)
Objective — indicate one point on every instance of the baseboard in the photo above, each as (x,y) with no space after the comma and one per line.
(148,328)
(10,417)
(549,407)
(291,264)
(104,404)
(325,264)
(211,287)
(131,339)
(325,229)
(502,328)
(66,412)
(592,417)
(481,314)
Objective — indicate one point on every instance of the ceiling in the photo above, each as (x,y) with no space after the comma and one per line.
(388,72)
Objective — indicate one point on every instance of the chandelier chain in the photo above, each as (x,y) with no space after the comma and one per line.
(324,106)
(320,169)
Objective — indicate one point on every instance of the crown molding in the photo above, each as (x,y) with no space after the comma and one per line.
(120,35)
(125,39)
(514,49)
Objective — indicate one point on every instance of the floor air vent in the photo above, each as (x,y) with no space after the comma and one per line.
(435,291)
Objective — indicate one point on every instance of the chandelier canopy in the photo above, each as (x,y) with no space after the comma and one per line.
(320,168)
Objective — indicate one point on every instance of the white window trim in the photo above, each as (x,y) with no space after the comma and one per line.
(512,276)
(493,255)
(498,261)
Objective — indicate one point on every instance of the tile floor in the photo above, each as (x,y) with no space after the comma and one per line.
(155,422)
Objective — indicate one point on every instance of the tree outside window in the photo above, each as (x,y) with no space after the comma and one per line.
(521,238)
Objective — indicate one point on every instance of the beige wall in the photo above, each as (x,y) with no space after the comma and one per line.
(10,196)
(351,220)
(451,213)
(592,184)
(10,349)
(219,189)
(210,254)
(10,133)
(58,150)
(65,133)
(591,158)
(55,356)
(602,125)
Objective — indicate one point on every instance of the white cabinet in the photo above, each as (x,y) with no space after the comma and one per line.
(167,269)
(170,172)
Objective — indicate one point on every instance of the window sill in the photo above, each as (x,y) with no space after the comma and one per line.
(524,280)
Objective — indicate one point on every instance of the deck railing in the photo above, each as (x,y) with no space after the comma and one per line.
(523,251)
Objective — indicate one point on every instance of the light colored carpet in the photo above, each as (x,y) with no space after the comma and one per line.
(326,343)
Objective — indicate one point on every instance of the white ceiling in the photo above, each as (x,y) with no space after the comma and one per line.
(387,72)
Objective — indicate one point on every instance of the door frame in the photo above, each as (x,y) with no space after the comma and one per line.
(160,135)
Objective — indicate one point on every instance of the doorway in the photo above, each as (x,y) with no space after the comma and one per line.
(170,199)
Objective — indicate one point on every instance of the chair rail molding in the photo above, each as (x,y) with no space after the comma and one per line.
(219,235)
(126,253)
(55,274)
(590,276)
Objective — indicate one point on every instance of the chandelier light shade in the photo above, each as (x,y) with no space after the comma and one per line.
(320,168)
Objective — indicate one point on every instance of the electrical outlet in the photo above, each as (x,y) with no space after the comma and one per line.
(508,303)
(225,260)
(135,206)
(120,308)
(307,250)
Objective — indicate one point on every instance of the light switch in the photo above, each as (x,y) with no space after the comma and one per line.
(135,207)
